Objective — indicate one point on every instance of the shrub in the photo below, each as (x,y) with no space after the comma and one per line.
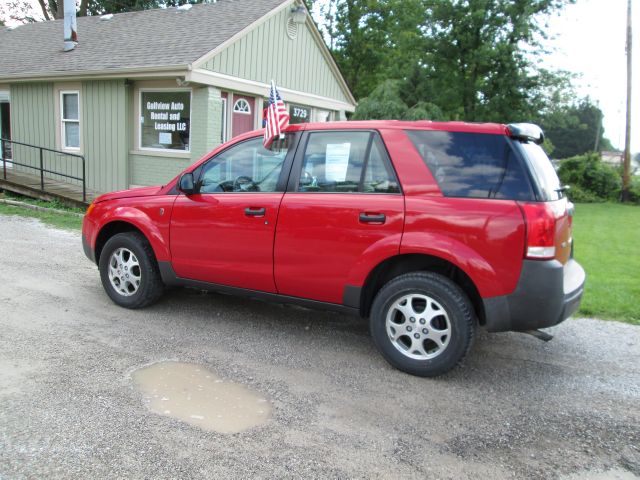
(578,195)
(634,191)
(589,178)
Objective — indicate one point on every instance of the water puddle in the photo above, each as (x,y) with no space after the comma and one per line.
(197,396)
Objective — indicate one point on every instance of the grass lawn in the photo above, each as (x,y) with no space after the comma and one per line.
(607,245)
(59,220)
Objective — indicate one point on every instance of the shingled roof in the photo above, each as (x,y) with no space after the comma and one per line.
(136,40)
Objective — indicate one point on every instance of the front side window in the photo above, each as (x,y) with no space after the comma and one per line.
(70,121)
(346,162)
(472,165)
(246,167)
(165,120)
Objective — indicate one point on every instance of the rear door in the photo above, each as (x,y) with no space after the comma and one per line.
(343,212)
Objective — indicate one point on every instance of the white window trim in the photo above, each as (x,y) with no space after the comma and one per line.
(224,104)
(63,121)
(247,112)
(164,150)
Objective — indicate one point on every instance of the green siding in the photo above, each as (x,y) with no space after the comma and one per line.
(155,170)
(104,132)
(103,125)
(33,122)
(267,53)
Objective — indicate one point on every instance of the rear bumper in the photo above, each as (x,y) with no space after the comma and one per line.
(547,293)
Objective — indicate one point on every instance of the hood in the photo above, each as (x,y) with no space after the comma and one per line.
(132,192)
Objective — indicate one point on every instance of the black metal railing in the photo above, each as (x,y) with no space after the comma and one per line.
(40,159)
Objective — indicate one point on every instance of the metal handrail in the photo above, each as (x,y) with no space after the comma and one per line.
(41,168)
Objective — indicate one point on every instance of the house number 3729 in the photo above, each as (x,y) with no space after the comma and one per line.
(300,112)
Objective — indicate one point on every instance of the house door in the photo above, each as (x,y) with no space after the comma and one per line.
(5,128)
(243,114)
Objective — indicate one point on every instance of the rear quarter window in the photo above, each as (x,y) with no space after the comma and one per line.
(545,175)
(473,165)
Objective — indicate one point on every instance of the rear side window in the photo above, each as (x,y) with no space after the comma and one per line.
(346,162)
(473,165)
(546,176)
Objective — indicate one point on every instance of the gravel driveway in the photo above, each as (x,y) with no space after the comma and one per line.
(517,408)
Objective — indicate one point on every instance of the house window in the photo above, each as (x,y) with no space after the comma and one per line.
(165,120)
(70,119)
(242,106)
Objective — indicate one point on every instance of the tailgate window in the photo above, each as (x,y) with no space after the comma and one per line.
(472,164)
(543,171)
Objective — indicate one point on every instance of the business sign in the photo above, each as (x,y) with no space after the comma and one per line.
(165,120)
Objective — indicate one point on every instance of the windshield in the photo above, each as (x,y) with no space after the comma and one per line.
(545,175)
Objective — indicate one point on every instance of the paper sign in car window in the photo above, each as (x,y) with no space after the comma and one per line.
(337,161)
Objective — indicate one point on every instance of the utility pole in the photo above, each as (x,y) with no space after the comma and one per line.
(626,176)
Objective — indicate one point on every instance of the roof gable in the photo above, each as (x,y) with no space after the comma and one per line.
(266,51)
(134,40)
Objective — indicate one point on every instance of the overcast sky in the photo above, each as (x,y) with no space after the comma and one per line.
(588,38)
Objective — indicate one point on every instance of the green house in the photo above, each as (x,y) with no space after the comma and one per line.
(145,94)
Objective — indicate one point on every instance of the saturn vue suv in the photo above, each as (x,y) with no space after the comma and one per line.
(428,230)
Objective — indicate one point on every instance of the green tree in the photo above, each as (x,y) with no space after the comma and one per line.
(480,56)
(386,103)
(23,11)
(575,129)
(475,59)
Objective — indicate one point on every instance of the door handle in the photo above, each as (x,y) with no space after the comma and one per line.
(254,211)
(372,217)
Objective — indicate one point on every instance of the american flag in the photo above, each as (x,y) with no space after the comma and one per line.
(277,117)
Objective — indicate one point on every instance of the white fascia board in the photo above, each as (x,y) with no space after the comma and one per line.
(237,84)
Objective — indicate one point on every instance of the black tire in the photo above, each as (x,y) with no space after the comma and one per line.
(150,286)
(451,312)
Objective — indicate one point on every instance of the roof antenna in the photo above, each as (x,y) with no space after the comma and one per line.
(70,26)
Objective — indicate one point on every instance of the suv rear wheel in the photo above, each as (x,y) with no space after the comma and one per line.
(129,271)
(422,323)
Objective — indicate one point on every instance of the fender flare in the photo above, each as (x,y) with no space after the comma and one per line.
(141,221)
(481,273)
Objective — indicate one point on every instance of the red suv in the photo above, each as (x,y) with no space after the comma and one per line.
(428,229)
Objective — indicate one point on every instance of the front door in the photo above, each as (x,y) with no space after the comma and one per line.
(224,234)
(343,211)
(243,114)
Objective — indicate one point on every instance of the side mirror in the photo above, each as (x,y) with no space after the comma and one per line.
(186,184)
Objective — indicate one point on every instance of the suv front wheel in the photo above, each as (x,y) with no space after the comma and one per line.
(422,323)
(129,271)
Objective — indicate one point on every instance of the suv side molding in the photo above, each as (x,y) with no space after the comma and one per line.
(170,278)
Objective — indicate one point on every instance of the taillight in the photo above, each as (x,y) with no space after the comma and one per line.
(541,230)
